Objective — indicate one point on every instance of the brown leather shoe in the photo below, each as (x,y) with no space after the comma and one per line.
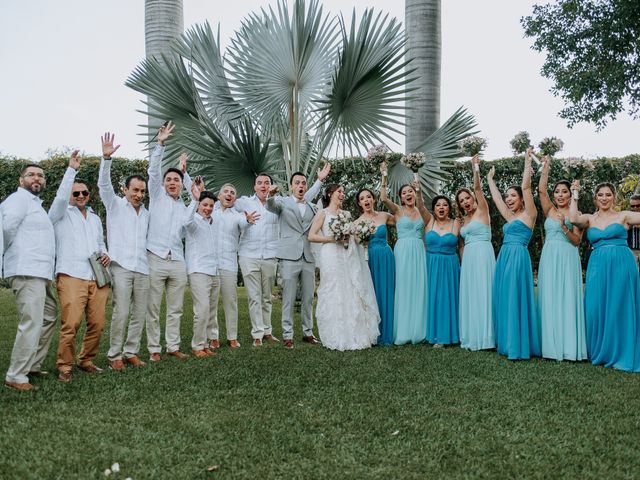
(38,373)
(64,377)
(311,339)
(21,387)
(135,361)
(257,342)
(178,354)
(90,368)
(199,353)
(214,344)
(288,344)
(154,357)
(210,353)
(116,365)
(270,339)
(233,343)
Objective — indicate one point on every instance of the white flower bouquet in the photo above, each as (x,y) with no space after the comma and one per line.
(413,161)
(378,154)
(550,146)
(363,230)
(520,142)
(472,146)
(341,227)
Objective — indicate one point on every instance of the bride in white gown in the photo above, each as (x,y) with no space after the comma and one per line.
(347,312)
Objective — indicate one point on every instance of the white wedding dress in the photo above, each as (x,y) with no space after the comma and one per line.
(347,312)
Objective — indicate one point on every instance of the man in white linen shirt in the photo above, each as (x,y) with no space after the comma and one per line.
(257,254)
(79,235)
(165,256)
(29,259)
(228,226)
(127,225)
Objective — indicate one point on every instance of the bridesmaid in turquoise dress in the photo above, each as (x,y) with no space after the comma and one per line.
(443,271)
(410,301)
(560,298)
(478,266)
(612,294)
(514,311)
(381,262)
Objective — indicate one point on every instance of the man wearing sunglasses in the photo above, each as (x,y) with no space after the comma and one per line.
(29,256)
(633,236)
(79,235)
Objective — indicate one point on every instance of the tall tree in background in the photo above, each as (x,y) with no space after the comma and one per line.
(424,45)
(592,52)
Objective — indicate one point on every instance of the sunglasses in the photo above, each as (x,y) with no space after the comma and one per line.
(84,193)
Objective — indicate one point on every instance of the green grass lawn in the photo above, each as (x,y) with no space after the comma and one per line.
(387,412)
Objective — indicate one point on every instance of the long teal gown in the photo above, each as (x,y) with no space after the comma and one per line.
(612,301)
(382,265)
(410,309)
(476,287)
(560,297)
(443,271)
(514,309)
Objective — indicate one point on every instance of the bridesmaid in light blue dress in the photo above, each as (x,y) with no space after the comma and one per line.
(560,298)
(612,294)
(443,271)
(514,311)
(478,266)
(381,262)
(410,304)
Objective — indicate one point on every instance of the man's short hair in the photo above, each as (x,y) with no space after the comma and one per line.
(135,176)
(207,194)
(228,185)
(27,166)
(263,175)
(174,170)
(295,174)
(80,180)
(635,196)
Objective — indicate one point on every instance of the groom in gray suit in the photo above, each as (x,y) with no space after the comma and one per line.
(296,214)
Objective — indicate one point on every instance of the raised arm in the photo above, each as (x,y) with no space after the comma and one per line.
(105,187)
(483,206)
(529,203)
(155,161)
(61,202)
(424,213)
(314,231)
(274,204)
(496,196)
(393,208)
(543,186)
(580,220)
(313,192)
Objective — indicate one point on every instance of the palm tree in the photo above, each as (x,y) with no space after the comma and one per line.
(292,87)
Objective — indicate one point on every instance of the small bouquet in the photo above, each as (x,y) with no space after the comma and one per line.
(378,154)
(472,146)
(550,146)
(413,161)
(341,227)
(363,230)
(520,142)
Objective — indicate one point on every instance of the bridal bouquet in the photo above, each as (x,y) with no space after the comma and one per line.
(520,142)
(341,227)
(378,154)
(413,161)
(363,230)
(472,146)
(550,146)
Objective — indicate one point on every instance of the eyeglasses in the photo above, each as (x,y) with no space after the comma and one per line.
(84,193)
(635,206)
(33,174)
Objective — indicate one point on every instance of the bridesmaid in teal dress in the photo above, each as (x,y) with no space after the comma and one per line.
(478,266)
(443,271)
(612,294)
(381,262)
(514,310)
(560,298)
(410,305)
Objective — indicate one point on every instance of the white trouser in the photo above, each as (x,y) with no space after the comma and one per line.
(203,289)
(259,277)
(228,288)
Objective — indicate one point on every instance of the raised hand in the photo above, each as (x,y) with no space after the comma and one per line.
(383,168)
(197,187)
(107,145)
(491,173)
(324,172)
(165,132)
(183,162)
(74,161)
(273,190)
(546,163)
(252,217)
(575,186)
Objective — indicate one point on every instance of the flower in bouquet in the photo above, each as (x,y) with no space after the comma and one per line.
(378,154)
(472,146)
(363,230)
(413,161)
(520,142)
(550,146)
(340,226)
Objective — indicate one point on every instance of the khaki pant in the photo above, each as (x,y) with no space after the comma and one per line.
(172,276)
(203,290)
(77,298)
(293,273)
(259,277)
(130,294)
(36,305)
(229,291)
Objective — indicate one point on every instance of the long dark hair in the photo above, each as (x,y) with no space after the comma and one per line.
(402,187)
(326,198)
(365,189)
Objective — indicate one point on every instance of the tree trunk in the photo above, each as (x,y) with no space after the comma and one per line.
(424,44)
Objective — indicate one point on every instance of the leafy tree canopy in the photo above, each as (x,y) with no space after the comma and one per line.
(592,49)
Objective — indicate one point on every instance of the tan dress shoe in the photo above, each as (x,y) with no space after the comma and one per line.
(116,365)
(270,339)
(210,353)
(154,357)
(214,344)
(288,344)
(178,354)
(234,343)
(21,387)
(64,377)
(135,361)
(90,368)
(257,342)
(311,339)
(199,353)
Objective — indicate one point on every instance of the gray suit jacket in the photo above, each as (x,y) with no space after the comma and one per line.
(294,228)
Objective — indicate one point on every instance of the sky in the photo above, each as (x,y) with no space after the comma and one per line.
(64,64)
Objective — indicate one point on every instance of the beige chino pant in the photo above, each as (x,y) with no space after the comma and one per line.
(229,291)
(203,290)
(259,277)
(36,305)
(130,295)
